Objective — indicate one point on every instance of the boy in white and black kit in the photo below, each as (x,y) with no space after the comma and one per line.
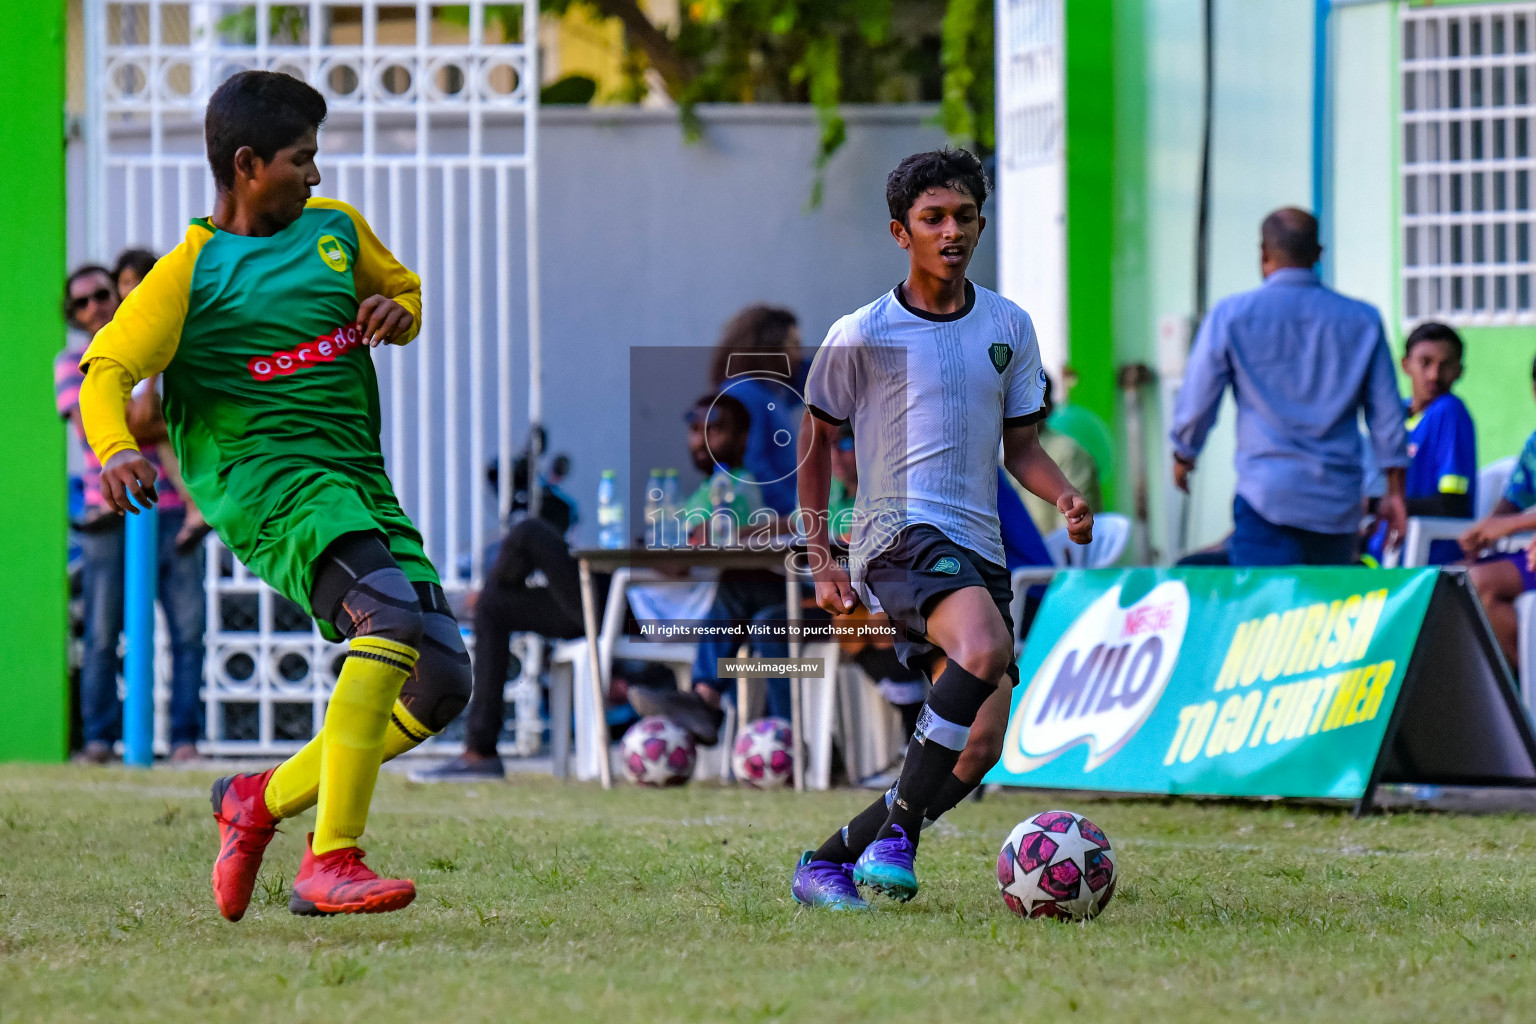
(933,375)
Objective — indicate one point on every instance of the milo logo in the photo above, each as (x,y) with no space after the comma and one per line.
(1101,680)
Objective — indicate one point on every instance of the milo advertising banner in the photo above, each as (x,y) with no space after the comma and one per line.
(1294,682)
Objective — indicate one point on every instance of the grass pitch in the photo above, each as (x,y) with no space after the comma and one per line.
(548,902)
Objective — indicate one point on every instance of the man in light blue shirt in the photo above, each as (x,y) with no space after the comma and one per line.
(1303,362)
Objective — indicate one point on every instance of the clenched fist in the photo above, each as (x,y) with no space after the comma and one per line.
(1079,516)
(128,475)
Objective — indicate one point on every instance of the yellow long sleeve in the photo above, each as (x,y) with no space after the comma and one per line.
(377,271)
(139,342)
(104,408)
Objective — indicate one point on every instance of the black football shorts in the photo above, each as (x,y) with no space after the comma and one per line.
(920,566)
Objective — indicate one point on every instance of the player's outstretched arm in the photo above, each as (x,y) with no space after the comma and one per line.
(140,342)
(834,592)
(1033,467)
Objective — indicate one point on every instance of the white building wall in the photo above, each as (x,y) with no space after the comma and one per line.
(1031,169)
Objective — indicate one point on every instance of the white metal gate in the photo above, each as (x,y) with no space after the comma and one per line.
(433,134)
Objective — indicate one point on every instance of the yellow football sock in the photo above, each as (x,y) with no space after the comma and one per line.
(295,785)
(352,739)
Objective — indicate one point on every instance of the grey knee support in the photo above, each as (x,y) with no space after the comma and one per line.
(438,688)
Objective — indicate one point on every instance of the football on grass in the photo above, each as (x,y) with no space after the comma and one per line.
(658,753)
(763,756)
(1056,864)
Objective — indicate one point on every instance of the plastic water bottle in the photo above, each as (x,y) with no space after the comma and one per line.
(610,513)
(722,502)
(671,506)
(655,523)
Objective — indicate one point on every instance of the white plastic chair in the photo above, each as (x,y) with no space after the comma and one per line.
(818,714)
(870,728)
(571,691)
(1491,481)
(1425,530)
(1111,533)
(1422,532)
(1525,632)
(571,685)
(1021,580)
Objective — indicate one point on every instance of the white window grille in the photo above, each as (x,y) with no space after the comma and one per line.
(432,134)
(1467,80)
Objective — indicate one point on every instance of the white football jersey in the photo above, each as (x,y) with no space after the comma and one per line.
(928,396)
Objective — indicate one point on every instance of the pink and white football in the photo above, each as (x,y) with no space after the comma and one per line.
(763,756)
(657,752)
(1056,864)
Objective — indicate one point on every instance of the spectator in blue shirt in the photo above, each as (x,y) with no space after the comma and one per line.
(1442,444)
(1501,578)
(757,362)
(1303,362)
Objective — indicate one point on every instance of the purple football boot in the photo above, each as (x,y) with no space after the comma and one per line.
(821,883)
(888,866)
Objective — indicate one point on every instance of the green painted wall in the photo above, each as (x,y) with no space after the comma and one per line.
(33,698)
(1090,80)
(1496,387)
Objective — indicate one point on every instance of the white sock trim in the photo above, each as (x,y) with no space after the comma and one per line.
(933,728)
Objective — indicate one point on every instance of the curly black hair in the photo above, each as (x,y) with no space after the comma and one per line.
(758,328)
(937,168)
(266,110)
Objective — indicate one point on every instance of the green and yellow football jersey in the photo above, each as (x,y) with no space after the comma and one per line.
(271,398)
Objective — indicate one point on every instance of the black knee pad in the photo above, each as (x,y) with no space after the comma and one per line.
(381,604)
(360,590)
(439,687)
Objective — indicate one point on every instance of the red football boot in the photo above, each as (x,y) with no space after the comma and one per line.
(340,883)
(245,829)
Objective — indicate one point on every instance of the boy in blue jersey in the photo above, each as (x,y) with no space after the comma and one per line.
(1501,578)
(1442,444)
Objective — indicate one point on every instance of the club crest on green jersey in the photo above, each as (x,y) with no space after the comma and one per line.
(1001,355)
(949,565)
(332,252)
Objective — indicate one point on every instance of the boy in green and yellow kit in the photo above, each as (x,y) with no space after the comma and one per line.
(261,322)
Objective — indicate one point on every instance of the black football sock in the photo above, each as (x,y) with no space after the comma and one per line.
(845,845)
(909,713)
(943,728)
(949,796)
